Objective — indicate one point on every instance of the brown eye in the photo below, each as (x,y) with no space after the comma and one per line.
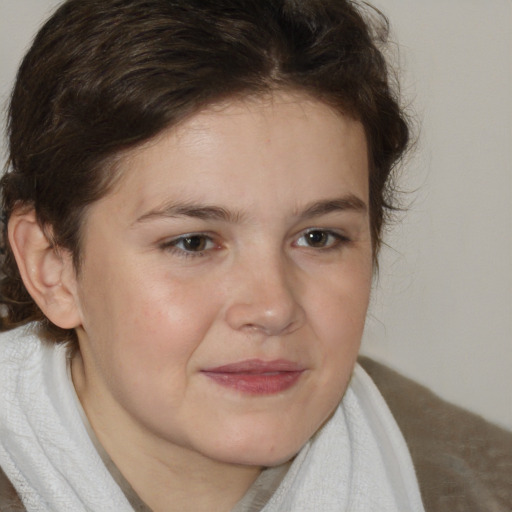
(196,243)
(189,245)
(317,238)
(321,239)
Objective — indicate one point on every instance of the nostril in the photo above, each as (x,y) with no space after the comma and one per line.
(255,318)
(264,297)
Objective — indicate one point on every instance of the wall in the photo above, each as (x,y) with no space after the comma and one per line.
(442,308)
(442,311)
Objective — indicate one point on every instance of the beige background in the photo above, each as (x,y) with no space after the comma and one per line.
(442,308)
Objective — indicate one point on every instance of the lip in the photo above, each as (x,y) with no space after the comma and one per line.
(257,377)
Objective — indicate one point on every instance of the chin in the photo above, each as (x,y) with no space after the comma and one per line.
(261,453)
(259,458)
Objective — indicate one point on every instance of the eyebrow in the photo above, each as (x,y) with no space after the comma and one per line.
(349,202)
(203,212)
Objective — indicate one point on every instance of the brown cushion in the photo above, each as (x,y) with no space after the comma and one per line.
(463,463)
(9,500)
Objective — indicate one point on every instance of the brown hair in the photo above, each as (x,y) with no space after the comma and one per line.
(106,75)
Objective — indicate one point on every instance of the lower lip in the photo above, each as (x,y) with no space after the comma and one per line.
(256,383)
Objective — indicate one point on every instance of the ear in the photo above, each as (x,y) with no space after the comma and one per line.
(48,273)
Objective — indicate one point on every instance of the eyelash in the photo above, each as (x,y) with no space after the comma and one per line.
(337,241)
(172,245)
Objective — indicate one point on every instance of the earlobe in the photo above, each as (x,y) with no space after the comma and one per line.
(47,273)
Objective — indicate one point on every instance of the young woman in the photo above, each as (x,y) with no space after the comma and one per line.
(193,206)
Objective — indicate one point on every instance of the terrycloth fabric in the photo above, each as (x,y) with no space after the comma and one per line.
(463,463)
(44,447)
(357,462)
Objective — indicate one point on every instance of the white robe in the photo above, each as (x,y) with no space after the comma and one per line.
(357,462)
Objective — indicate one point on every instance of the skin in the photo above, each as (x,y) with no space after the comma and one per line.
(248,179)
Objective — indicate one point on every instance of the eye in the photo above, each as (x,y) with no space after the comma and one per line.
(320,239)
(190,244)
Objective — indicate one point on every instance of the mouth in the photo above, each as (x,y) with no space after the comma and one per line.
(256,377)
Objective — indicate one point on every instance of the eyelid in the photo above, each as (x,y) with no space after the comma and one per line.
(172,244)
(340,238)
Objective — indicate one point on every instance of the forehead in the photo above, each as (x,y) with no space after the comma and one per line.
(250,152)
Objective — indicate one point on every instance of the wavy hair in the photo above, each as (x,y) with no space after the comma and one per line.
(103,76)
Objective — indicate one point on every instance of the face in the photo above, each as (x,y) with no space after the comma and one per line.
(225,280)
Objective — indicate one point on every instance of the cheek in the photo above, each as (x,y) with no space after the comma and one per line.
(338,309)
(340,301)
(158,321)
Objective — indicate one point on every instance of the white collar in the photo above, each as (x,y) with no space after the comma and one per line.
(357,462)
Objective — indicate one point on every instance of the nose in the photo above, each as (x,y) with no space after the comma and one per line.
(265,299)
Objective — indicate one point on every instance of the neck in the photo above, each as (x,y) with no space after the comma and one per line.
(165,476)
(176,480)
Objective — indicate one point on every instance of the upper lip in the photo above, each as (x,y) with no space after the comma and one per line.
(257,366)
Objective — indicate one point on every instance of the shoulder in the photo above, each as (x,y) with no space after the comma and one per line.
(18,348)
(463,462)
(10,344)
(17,344)
(9,499)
